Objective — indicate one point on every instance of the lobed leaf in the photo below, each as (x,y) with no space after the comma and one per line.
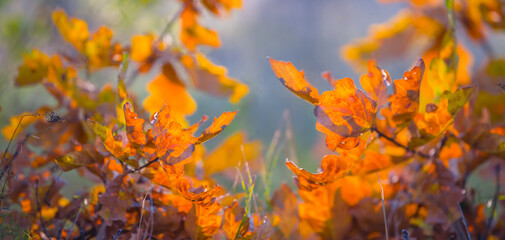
(333,167)
(75,31)
(168,89)
(375,83)
(344,114)
(134,126)
(35,67)
(212,78)
(294,80)
(217,126)
(192,33)
(404,103)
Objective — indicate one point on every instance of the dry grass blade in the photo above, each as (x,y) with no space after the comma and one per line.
(142,213)
(493,204)
(463,219)
(383,207)
(75,220)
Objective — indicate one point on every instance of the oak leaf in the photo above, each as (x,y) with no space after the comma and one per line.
(168,89)
(404,103)
(35,67)
(113,143)
(134,126)
(217,126)
(221,7)
(74,30)
(192,33)
(344,114)
(83,156)
(173,142)
(229,153)
(375,83)
(294,80)
(333,167)
(213,79)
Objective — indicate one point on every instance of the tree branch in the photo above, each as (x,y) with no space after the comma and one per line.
(143,166)
(392,140)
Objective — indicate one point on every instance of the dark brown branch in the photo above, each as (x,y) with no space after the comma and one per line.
(143,166)
(392,140)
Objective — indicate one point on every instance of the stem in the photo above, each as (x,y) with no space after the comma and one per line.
(382,135)
(14,134)
(143,166)
(170,23)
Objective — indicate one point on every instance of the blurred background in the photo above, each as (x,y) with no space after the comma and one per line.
(308,33)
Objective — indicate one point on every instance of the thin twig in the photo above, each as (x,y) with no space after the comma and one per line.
(143,166)
(129,81)
(382,135)
(464,222)
(79,213)
(383,207)
(14,134)
(170,23)
(493,204)
(141,214)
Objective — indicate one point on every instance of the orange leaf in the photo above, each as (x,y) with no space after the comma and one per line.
(344,114)
(167,89)
(232,219)
(192,34)
(134,126)
(284,204)
(353,189)
(100,51)
(221,7)
(201,195)
(212,78)
(229,153)
(404,103)
(294,80)
(173,143)
(333,167)
(113,143)
(202,222)
(141,47)
(74,31)
(316,208)
(217,126)
(35,67)
(375,83)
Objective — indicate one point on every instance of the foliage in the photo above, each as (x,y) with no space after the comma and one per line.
(403,149)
